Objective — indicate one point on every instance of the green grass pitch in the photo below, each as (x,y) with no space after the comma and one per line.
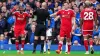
(29,53)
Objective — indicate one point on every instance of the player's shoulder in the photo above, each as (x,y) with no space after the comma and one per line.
(16,11)
(93,10)
(83,11)
(25,12)
(61,10)
(70,10)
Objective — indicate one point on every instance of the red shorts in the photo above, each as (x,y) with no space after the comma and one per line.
(19,31)
(86,33)
(65,32)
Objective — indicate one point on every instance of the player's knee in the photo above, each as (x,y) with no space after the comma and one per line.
(42,38)
(22,38)
(22,35)
(36,38)
(17,40)
(68,39)
(61,39)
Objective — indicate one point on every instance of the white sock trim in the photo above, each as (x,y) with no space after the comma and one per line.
(21,48)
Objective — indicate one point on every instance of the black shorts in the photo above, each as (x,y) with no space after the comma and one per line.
(40,30)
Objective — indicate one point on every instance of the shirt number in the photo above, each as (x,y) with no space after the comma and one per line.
(88,16)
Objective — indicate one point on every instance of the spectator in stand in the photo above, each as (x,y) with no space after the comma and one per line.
(74,6)
(94,2)
(76,9)
(32,3)
(81,7)
(28,7)
(38,5)
(3,39)
(6,38)
(31,38)
(0,6)
(51,5)
(10,22)
(21,3)
(82,2)
(70,5)
(10,4)
(98,14)
(4,4)
(76,39)
(56,7)
(5,16)
(11,35)
(95,36)
(73,3)
(2,24)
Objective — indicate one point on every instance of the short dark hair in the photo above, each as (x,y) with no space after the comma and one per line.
(64,3)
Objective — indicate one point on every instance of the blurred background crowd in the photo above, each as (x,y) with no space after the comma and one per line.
(7,19)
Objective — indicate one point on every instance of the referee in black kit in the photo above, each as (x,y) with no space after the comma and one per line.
(40,31)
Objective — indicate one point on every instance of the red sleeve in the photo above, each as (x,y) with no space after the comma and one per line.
(27,15)
(81,14)
(58,13)
(73,14)
(15,13)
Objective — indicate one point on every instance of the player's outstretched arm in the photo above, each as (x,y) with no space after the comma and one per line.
(73,23)
(52,15)
(57,17)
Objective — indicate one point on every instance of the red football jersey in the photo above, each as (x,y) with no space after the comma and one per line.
(21,18)
(88,15)
(66,17)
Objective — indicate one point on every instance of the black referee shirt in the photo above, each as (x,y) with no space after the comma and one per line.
(42,15)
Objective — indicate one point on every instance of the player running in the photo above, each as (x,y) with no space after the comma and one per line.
(19,27)
(88,17)
(67,21)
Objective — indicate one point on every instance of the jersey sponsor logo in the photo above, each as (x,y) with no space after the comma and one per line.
(67,16)
(20,19)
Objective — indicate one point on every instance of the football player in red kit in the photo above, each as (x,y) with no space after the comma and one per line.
(67,21)
(19,27)
(88,17)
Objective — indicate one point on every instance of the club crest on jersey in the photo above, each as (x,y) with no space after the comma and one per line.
(68,12)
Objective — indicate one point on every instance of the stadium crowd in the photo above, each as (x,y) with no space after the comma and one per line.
(7,19)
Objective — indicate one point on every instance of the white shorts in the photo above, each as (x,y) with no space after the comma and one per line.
(49,32)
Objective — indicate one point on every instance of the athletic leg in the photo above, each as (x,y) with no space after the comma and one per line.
(35,43)
(42,43)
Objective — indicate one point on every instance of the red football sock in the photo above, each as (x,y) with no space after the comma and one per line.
(91,42)
(22,42)
(86,44)
(60,45)
(69,46)
(17,45)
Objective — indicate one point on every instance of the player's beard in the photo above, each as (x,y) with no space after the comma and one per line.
(21,11)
